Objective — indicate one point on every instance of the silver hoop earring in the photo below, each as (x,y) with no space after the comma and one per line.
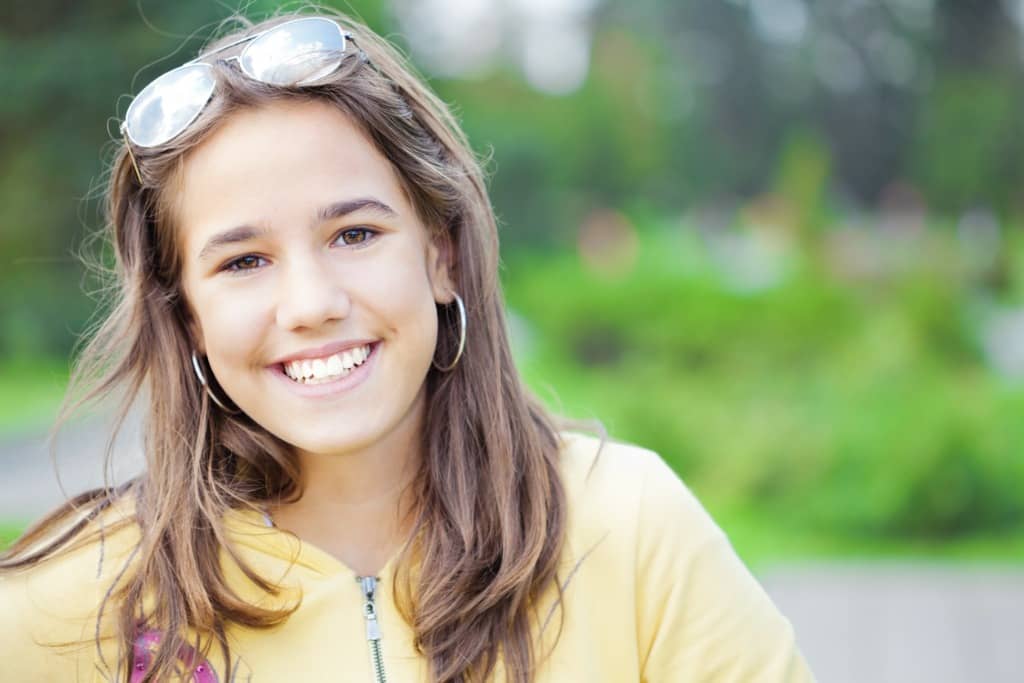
(462,337)
(206,387)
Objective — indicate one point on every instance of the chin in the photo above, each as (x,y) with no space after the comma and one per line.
(333,442)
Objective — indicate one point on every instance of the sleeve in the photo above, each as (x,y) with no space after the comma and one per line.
(701,615)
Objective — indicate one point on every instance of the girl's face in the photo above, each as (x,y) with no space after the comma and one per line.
(311,280)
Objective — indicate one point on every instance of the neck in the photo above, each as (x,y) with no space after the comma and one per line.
(358,504)
(369,477)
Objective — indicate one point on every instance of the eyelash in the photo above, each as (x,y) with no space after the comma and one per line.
(232,266)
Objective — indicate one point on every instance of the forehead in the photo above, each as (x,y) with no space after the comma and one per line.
(278,164)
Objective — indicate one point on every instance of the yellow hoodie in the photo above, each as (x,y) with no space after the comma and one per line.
(652,592)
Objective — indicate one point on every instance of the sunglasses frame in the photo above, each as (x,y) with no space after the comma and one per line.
(239,59)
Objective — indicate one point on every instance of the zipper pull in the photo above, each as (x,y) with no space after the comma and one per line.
(369,586)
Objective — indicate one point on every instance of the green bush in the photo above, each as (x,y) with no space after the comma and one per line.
(858,406)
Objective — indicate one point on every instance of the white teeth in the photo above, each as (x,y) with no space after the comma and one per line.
(326,369)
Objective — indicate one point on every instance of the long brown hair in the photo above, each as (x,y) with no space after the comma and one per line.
(491,514)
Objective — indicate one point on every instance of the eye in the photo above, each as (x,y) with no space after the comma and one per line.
(243,263)
(355,236)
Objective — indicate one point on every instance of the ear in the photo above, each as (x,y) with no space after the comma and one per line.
(440,265)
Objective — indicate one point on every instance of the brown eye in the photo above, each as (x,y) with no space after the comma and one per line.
(247,262)
(354,236)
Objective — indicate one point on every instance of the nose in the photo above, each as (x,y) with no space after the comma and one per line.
(310,294)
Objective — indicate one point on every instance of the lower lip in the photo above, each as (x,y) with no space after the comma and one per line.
(334,387)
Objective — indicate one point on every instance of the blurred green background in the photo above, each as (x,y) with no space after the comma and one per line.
(778,241)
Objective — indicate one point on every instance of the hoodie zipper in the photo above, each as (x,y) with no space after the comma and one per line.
(369,587)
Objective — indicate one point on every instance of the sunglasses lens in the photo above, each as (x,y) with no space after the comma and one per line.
(169,104)
(295,53)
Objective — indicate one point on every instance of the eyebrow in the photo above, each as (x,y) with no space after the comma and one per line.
(244,233)
(344,208)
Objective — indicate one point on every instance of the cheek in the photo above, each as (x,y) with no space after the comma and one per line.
(418,311)
(394,285)
(231,328)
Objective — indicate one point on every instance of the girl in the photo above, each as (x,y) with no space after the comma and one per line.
(346,479)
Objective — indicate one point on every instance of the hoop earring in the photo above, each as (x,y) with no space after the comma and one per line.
(462,337)
(206,387)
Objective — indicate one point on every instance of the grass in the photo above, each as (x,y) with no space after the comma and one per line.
(30,392)
(763,541)
(10,531)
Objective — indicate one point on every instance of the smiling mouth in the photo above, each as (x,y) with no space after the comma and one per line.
(328,368)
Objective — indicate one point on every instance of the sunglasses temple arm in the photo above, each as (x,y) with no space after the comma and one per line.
(233,43)
(128,148)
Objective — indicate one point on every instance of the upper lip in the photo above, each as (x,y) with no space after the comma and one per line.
(325,350)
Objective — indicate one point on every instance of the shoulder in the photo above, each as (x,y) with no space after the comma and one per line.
(699,613)
(631,519)
(49,621)
(632,490)
(93,553)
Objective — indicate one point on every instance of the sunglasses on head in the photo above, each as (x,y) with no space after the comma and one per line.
(293,53)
